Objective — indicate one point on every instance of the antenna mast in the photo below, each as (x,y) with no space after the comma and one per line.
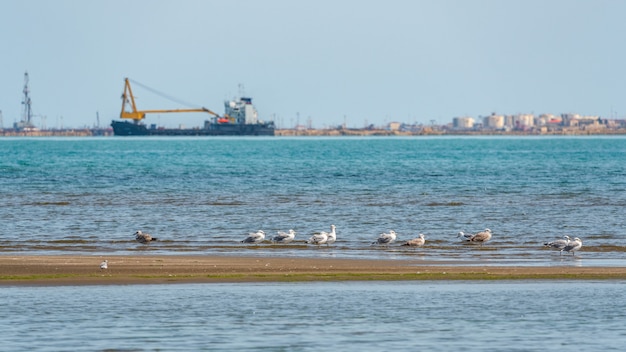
(27,115)
(242,91)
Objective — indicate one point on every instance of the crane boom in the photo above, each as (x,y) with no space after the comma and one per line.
(138,115)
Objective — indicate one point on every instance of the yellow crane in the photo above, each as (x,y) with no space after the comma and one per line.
(138,115)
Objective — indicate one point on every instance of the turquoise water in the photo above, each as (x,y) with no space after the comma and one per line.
(351,316)
(203,195)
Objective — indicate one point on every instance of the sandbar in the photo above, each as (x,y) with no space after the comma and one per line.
(51,270)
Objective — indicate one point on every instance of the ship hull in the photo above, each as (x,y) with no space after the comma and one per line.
(124,128)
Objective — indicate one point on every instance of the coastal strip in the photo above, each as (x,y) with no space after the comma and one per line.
(123,270)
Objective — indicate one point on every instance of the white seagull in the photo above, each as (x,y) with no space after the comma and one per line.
(318,238)
(332,235)
(104,264)
(416,242)
(284,237)
(574,245)
(386,238)
(143,237)
(559,244)
(464,236)
(254,237)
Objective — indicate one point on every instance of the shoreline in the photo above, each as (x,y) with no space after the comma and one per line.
(71,270)
(341,132)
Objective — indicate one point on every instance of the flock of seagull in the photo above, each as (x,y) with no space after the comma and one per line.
(565,244)
(385,239)
(327,238)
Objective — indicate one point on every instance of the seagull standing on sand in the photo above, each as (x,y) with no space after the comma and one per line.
(386,238)
(284,237)
(574,245)
(254,237)
(104,264)
(143,237)
(416,242)
(559,244)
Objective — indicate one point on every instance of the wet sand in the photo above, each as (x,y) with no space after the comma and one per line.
(85,270)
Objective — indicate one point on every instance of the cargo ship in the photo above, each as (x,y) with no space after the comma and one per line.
(240,119)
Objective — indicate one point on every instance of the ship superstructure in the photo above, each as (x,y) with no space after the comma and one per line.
(241,110)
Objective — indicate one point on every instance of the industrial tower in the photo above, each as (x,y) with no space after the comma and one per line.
(27,114)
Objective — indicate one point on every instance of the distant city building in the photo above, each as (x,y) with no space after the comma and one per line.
(548,119)
(509,122)
(394,126)
(494,121)
(463,123)
(570,120)
(524,121)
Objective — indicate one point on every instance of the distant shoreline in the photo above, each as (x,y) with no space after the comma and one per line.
(364,132)
(332,133)
(60,270)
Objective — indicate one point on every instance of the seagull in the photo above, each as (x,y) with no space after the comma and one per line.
(465,236)
(319,237)
(284,237)
(573,246)
(386,238)
(332,236)
(255,237)
(143,237)
(481,237)
(559,244)
(104,264)
(416,242)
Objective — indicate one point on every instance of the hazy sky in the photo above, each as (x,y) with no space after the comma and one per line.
(328,61)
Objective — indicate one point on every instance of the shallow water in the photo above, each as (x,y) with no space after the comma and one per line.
(350,316)
(203,195)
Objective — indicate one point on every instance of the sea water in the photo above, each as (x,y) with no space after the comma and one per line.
(204,195)
(201,196)
(348,316)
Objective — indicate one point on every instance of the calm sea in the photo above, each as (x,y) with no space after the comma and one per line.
(201,196)
(204,195)
(350,316)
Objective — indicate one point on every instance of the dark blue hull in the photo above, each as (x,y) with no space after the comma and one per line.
(124,128)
